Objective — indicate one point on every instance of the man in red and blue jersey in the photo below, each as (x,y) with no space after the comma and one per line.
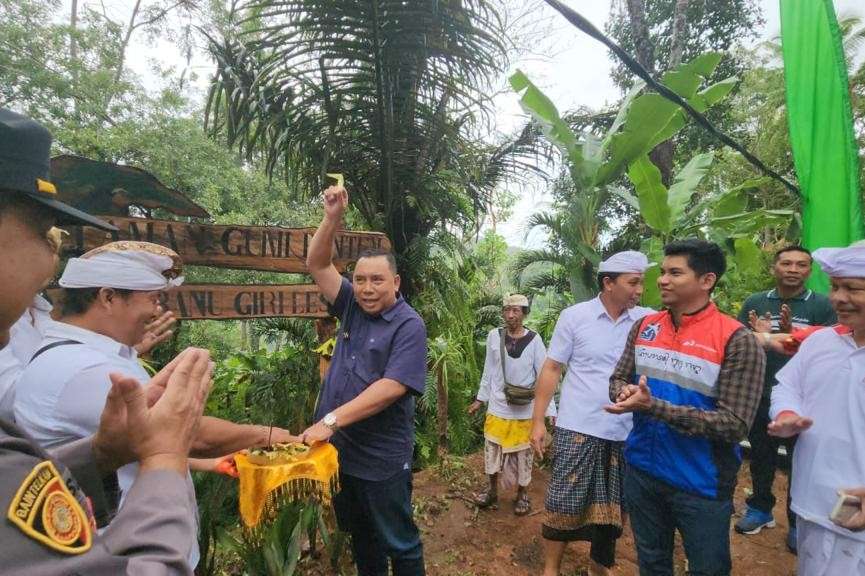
(693,377)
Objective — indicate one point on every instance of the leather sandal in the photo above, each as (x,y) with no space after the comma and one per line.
(522,505)
(486,499)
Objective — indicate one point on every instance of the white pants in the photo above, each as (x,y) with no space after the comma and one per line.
(823,552)
(515,467)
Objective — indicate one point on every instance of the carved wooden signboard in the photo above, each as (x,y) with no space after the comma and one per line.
(264,248)
(224,302)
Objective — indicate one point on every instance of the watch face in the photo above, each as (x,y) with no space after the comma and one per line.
(329,420)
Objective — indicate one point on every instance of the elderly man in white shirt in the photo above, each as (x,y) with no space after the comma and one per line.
(111,295)
(584,495)
(820,396)
(514,358)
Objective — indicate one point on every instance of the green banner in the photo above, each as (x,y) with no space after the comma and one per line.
(821,127)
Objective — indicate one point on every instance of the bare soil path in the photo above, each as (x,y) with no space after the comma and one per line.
(460,540)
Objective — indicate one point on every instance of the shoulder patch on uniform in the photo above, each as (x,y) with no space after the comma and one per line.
(45,510)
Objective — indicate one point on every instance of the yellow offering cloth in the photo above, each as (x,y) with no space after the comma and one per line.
(511,435)
(264,487)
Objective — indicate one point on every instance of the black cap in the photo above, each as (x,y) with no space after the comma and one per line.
(25,154)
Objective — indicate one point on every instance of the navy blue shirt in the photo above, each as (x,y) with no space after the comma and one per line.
(368,348)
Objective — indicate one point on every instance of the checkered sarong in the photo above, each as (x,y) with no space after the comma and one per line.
(585,489)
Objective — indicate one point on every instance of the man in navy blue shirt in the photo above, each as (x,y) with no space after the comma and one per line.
(367,403)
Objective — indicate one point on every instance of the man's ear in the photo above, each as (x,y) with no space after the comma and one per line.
(106,296)
(396,282)
(709,280)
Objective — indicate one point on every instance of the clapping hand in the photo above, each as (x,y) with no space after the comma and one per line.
(157,423)
(785,324)
(760,323)
(632,398)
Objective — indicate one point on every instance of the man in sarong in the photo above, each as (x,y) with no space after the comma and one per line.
(584,496)
(515,356)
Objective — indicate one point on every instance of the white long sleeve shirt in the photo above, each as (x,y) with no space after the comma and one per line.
(25,337)
(825,381)
(63,392)
(522,371)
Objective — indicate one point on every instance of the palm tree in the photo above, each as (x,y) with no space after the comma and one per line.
(392,94)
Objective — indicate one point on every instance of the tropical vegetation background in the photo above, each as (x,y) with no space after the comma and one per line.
(398,96)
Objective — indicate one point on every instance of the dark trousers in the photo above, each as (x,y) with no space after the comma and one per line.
(764,462)
(378,515)
(602,538)
(657,510)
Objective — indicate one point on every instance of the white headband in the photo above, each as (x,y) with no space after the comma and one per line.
(627,261)
(842,262)
(125,270)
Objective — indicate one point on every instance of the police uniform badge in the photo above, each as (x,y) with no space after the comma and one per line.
(46,510)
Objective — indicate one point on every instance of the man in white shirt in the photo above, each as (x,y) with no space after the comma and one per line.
(820,396)
(584,495)
(111,295)
(25,337)
(520,353)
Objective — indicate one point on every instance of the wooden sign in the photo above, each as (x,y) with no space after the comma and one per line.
(265,248)
(230,302)
(227,302)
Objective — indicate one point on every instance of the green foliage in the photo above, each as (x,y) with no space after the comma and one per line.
(717,26)
(460,303)
(276,549)
(272,388)
(388,93)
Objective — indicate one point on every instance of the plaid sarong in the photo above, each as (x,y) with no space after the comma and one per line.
(585,490)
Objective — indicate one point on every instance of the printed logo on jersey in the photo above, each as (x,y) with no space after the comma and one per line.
(650,332)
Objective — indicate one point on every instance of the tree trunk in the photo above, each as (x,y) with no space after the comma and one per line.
(662,155)
(126,38)
(441,411)
(680,35)
(73,48)
(640,31)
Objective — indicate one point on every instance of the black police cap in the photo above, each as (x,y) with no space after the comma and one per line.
(25,154)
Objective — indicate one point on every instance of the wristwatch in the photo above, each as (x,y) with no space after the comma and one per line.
(329,420)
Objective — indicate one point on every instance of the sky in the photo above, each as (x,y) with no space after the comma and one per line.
(571,68)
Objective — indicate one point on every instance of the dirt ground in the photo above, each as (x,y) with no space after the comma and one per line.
(460,540)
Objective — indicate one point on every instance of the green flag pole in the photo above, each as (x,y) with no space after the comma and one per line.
(821,127)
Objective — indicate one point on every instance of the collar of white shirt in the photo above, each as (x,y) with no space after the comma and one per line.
(106,344)
(601,310)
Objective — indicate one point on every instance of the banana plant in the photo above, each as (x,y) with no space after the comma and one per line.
(643,121)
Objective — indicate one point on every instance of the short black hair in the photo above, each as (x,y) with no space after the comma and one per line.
(793,248)
(702,256)
(611,275)
(75,301)
(380,253)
